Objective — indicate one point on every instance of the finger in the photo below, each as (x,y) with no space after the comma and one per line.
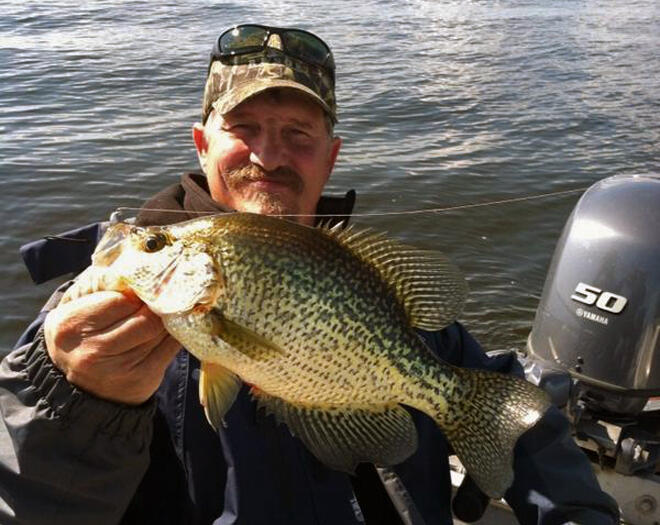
(131,377)
(111,376)
(141,327)
(93,279)
(146,376)
(132,359)
(97,311)
(71,325)
(156,361)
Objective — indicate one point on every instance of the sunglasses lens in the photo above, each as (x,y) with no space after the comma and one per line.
(305,46)
(246,39)
(243,38)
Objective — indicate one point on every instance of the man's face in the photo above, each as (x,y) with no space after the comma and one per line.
(272,154)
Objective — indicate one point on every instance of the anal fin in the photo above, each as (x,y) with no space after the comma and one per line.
(344,436)
(218,388)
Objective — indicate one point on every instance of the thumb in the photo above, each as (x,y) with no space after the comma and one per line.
(94,279)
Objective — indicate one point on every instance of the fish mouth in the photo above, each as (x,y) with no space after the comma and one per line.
(110,246)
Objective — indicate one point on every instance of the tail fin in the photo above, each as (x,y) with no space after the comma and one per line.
(485,421)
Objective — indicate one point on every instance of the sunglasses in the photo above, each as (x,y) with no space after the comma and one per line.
(246,39)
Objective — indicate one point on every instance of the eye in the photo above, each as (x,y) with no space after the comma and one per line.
(241,128)
(154,242)
(298,136)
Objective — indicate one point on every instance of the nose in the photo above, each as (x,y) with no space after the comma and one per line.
(267,151)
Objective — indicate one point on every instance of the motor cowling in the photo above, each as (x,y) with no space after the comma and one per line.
(599,314)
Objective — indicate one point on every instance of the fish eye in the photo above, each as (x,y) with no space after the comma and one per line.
(154,242)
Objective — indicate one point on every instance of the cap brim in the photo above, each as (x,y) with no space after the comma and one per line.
(239,94)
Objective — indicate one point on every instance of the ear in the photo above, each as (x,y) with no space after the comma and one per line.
(332,154)
(201,145)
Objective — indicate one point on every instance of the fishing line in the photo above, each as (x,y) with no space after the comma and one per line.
(425,211)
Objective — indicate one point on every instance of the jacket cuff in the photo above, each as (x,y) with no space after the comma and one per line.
(60,400)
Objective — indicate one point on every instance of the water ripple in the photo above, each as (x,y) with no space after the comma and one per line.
(440,104)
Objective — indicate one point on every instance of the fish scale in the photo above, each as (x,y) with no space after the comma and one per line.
(300,287)
(321,323)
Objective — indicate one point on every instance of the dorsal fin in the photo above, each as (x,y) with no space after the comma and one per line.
(431,289)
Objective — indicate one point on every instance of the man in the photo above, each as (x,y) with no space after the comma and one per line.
(100,404)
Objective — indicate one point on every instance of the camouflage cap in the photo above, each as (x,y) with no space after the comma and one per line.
(228,84)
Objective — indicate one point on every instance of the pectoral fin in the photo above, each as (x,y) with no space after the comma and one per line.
(218,388)
(342,437)
(243,339)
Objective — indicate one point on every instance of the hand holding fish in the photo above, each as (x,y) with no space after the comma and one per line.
(110,344)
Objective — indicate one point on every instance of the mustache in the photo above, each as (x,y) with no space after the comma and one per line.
(253,173)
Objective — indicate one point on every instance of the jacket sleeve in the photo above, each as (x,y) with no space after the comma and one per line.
(66,457)
(554,482)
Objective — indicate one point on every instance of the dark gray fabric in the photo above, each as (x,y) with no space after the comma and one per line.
(41,256)
(72,458)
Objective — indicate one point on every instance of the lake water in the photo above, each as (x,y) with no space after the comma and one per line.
(440,104)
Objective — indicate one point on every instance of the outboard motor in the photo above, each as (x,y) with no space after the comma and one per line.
(595,343)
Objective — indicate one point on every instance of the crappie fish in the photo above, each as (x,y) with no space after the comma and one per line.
(320,322)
